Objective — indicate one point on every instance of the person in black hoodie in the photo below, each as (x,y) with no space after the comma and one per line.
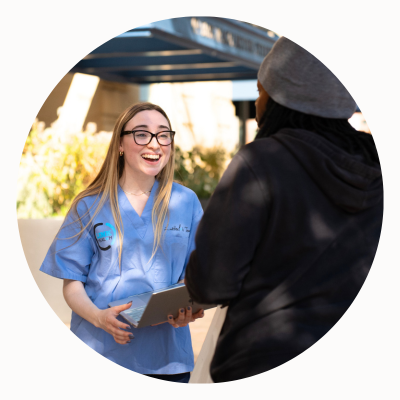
(290,233)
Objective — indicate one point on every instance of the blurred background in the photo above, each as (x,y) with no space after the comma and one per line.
(202,71)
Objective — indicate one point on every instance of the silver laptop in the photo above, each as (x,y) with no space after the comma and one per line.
(153,307)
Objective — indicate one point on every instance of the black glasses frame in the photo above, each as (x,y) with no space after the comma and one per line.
(151,137)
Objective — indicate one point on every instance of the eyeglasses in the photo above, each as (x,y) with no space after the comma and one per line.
(142,138)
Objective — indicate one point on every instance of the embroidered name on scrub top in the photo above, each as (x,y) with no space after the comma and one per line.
(178,228)
(105,235)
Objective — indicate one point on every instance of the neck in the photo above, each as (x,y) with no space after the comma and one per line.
(136,184)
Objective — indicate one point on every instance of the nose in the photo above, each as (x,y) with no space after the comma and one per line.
(153,143)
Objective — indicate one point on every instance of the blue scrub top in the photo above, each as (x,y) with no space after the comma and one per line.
(93,259)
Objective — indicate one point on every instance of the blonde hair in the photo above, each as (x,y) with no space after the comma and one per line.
(105,184)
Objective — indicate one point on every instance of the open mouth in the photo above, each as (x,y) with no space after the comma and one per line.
(152,158)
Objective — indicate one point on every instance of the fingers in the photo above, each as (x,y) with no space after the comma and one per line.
(182,320)
(184,317)
(121,336)
(123,339)
(120,340)
(172,322)
(108,321)
(176,322)
(188,314)
(116,310)
(122,307)
(121,325)
(116,329)
(199,314)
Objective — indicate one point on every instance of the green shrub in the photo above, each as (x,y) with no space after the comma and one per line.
(200,169)
(56,166)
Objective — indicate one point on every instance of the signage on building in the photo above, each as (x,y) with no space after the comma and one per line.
(228,37)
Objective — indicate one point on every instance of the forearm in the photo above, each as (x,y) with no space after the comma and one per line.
(78,300)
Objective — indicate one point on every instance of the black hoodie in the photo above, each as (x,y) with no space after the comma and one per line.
(287,241)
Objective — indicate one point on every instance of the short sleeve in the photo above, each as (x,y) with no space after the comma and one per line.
(71,252)
(196,217)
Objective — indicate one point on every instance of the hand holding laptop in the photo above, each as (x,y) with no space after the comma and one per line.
(184,317)
(153,308)
(107,320)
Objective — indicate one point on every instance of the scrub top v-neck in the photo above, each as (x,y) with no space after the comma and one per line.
(141,222)
(93,260)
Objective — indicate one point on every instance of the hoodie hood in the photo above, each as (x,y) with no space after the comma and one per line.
(349,183)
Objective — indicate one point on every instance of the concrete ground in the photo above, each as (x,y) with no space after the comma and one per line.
(199,329)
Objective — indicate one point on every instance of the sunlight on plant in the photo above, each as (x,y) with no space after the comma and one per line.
(201,168)
(56,166)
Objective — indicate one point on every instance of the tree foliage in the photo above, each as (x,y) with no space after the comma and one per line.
(56,166)
(200,169)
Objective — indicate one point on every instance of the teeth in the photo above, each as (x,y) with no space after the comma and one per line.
(151,156)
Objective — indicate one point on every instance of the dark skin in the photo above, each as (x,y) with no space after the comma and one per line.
(261,102)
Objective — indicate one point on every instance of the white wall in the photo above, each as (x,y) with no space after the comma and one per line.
(201,113)
(36,237)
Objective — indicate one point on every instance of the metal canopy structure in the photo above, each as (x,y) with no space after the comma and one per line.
(181,50)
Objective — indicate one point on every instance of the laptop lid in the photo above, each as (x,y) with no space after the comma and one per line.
(158,305)
(138,300)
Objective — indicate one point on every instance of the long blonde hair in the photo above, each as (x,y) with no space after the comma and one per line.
(105,184)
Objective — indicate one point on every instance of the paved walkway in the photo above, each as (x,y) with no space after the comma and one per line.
(199,329)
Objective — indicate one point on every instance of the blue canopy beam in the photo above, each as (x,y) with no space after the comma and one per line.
(181,50)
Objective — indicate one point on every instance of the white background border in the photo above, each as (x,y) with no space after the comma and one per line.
(42,40)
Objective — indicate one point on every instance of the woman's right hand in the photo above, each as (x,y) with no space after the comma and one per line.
(77,298)
(107,320)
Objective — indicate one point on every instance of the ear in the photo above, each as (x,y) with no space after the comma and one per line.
(120,145)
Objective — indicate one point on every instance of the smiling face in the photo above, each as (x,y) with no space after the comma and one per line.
(261,102)
(150,159)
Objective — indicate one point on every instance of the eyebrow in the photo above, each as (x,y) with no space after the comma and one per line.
(146,126)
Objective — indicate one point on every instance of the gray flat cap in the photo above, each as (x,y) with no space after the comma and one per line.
(295,79)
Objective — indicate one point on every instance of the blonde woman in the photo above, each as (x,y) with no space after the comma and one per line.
(131,231)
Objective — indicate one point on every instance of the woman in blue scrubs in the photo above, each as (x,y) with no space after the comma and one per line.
(131,231)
